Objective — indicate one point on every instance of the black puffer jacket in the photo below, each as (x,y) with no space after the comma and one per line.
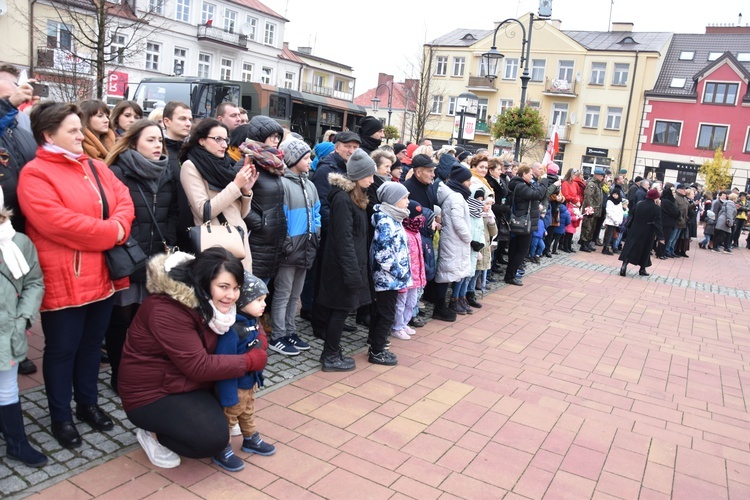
(523,197)
(162,203)
(260,128)
(266,224)
(21,149)
(185,219)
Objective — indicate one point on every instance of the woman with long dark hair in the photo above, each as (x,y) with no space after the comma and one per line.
(139,160)
(168,366)
(62,192)
(124,115)
(208,175)
(99,138)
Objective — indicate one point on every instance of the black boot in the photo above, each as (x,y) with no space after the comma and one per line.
(471,300)
(18,447)
(624,269)
(584,246)
(570,244)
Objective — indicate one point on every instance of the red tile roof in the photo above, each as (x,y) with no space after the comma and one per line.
(399,98)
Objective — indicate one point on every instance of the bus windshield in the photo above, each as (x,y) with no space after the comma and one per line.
(151,95)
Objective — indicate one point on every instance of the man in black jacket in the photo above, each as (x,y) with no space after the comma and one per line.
(178,121)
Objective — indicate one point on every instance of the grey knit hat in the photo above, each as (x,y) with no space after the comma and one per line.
(360,165)
(252,288)
(390,192)
(294,150)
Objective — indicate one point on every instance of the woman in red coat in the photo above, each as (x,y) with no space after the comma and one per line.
(572,189)
(61,198)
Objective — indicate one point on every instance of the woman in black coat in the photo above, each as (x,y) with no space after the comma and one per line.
(522,196)
(669,215)
(645,226)
(139,160)
(266,222)
(501,210)
(344,282)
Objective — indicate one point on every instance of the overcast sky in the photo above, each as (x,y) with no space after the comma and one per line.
(387,35)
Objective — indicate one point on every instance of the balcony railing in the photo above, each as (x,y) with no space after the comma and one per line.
(224,37)
(563,132)
(326,91)
(560,87)
(482,127)
(479,82)
(62,61)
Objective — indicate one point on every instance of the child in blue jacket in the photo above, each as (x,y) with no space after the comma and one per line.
(537,240)
(559,230)
(237,395)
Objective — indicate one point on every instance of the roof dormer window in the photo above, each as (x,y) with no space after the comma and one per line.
(712,56)
(677,83)
(468,36)
(687,55)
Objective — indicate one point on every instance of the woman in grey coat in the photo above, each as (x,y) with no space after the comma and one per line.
(725,211)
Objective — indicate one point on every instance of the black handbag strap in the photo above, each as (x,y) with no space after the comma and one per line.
(207,214)
(513,203)
(105,205)
(153,219)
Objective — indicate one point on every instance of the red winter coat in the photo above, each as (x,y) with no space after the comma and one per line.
(63,209)
(573,191)
(416,257)
(169,348)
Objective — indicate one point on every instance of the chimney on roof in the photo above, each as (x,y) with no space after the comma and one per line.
(622,27)
(383,78)
(305,50)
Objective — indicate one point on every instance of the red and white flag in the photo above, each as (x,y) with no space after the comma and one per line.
(553,147)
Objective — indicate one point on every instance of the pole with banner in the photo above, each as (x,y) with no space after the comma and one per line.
(553,146)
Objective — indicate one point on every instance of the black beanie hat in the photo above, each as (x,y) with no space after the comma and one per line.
(460,174)
(369,125)
(415,209)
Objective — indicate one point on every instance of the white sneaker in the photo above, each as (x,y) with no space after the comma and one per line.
(235,430)
(409,330)
(158,454)
(400,334)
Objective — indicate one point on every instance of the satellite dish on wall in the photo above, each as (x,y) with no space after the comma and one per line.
(572,118)
(3,7)
(246,29)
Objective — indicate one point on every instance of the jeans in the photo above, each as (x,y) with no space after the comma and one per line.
(405,304)
(472,284)
(674,235)
(537,247)
(72,351)
(460,288)
(287,289)
(738,225)
(191,424)
(9,386)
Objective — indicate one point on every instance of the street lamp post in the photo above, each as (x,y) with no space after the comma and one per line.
(376,101)
(493,57)
(467,103)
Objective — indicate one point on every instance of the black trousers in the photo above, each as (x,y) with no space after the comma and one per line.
(72,352)
(333,321)
(517,250)
(382,320)
(191,424)
(115,335)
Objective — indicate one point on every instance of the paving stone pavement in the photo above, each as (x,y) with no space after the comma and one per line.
(580,384)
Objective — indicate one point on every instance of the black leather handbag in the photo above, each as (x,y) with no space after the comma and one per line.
(519,223)
(122,260)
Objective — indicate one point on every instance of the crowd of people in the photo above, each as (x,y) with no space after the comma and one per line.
(351,225)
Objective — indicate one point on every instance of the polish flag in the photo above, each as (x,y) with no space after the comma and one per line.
(553,147)
(210,22)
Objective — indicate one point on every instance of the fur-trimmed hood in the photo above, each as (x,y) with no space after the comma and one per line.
(159,281)
(341,182)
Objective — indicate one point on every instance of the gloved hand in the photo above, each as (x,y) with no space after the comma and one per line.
(255,360)
(477,246)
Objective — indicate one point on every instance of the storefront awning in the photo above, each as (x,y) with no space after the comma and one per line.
(328,102)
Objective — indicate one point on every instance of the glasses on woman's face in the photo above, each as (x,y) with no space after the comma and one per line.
(219,139)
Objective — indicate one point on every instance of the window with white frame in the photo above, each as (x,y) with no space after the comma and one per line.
(503,105)
(720,93)
(559,113)
(534,105)
(510,70)
(451,106)
(667,133)
(208,12)
(252,24)
(482,109)
(614,118)
(230,20)
(677,83)
(565,71)
(538,67)
(266,75)
(247,71)
(458,66)
(436,104)
(712,136)
(153,51)
(59,36)
(226,69)
(712,56)
(598,69)
(338,85)
(117,49)
(180,60)
(687,55)
(182,11)
(288,80)
(318,82)
(204,65)
(270,34)
(156,7)
(441,65)
(743,56)
(747,141)
(591,118)
(620,76)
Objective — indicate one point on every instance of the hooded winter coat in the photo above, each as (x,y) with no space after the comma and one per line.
(344,282)
(266,223)
(19,303)
(454,254)
(21,148)
(302,211)
(389,254)
(725,212)
(64,220)
(169,348)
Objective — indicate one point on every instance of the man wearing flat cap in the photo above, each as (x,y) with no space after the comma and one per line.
(371,133)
